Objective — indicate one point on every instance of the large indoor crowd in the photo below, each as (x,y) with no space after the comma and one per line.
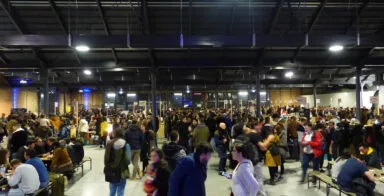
(36,146)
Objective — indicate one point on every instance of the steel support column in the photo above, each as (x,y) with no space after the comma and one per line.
(358,93)
(45,78)
(65,102)
(314,96)
(216,99)
(258,87)
(153,92)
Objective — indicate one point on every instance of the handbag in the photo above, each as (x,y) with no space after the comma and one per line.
(274,149)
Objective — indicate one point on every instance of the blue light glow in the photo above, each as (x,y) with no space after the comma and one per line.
(86,100)
(14,97)
(86,90)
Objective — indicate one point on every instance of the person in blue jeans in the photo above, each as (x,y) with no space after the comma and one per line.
(311,142)
(117,155)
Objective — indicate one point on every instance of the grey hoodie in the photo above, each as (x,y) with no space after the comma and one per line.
(119,144)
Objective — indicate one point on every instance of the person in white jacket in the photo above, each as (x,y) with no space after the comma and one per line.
(83,126)
(243,181)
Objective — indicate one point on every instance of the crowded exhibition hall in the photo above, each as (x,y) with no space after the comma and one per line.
(191,97)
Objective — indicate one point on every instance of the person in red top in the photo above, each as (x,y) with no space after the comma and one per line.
(311,142)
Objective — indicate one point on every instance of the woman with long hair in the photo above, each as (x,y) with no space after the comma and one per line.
(157,175)
(243,181)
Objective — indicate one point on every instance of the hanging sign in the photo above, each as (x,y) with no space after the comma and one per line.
(302,100)
(374,99)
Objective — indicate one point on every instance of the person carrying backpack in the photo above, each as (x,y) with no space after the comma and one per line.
(116,160)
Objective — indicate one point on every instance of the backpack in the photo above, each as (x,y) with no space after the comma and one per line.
(112,174)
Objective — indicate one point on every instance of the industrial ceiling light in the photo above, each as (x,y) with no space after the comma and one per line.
(87,72)
(188,91)
(118,69)
(243,93)
(22,81)
(253,90)
(289,74)
(121,91)
(131,94)
(82,48)
(111,95)
(279,67)
(178,94)
(336,48)
(263,93)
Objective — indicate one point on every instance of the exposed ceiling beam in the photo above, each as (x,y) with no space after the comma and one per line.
(145,17)
(314,20)
(173,41)
(43,62)
(62,26)
(230,21)
(58,17)
(190,17)
(106,27)
(13,17)
(316,17)
(357,17)
(3,59)
(275,16)
(366,77)
(366,57)
(102,17)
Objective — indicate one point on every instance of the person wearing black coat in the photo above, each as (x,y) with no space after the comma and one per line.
(211,124)
(135,138)
(222,145)
(184,133)
(75,151)
(19,138)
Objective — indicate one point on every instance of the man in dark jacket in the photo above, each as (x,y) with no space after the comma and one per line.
(211,123)
(188,178)
(135,138)
(18,139)
(173,151)
(222,145)
(184,133)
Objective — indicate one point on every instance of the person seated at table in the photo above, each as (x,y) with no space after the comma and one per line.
(61,161)
(24,179)
(39,146)
(18,139)
(338,165)
(4,158)
(49,145)
(32,159)
(374,158)
(20,153)
(355,172)
(75,151)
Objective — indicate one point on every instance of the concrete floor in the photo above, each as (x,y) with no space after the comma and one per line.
(92,183)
